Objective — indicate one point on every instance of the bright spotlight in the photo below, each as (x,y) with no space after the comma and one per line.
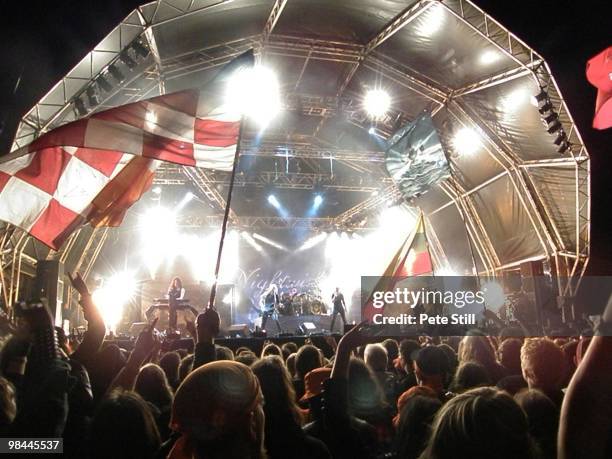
(466,141)
(431,20)
(514,100)
(227,299)
(157,224)
(372,131)
(156,190)
(273,201)
(261,238)
(255,93)
(489,57)
(318,200)
(111,298)
(310,243)
(252,242)
(377,102)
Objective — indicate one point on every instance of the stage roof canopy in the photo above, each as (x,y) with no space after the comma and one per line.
(513,198)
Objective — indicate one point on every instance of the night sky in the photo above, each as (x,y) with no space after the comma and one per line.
(41,40)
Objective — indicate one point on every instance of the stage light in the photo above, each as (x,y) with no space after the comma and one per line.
(377,102)
(539,98)
(372,131)
(318,200)
(431,20)
(375,193)
(466,141)
(92,97)
(545,108)
(140,49)
(116,73)
(156,190)
(159,237)
(273,201)
(270,242)
(514,100)
(489,57)
(561,137)
(229,298)
(127,60)
(493,294)
(255,93)
(313,241)
(565,145)
(252,242)
(554,126)
(117,291)
(104,84)
(79,107)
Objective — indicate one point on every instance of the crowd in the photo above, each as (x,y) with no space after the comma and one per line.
(474,396)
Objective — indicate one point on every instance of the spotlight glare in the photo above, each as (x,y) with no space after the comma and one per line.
(318,200)
(493,295)
(273,201)
(377,102)
(466,141)
(156,190)
(255,93)
(315,240)
(117,291)
(514,100)
(261,238)
(489,57)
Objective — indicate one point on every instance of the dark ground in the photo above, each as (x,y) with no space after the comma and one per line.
(41,40)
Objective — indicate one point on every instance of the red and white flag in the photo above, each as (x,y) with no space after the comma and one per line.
(95,168)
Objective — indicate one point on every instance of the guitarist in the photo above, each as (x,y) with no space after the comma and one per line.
(270,301)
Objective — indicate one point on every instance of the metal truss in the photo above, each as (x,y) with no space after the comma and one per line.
(202,180)
(261,222)
(356,214)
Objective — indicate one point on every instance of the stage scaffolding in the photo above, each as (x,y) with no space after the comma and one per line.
(325,76)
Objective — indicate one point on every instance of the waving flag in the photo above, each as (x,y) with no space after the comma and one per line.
(411,259)
(94,168)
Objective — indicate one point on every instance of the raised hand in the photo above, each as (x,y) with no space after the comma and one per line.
(145,343)
(77,282)
(208,323)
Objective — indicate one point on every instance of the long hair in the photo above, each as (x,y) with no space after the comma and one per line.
(123,427)
(176,280)
(152,385)
(480,423)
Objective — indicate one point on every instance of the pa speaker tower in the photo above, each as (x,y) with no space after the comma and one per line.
(49,284)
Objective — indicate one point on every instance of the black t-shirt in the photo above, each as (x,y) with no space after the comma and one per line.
(338,299)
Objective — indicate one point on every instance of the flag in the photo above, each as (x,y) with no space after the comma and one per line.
(94,168)
(599,74)
(411,259)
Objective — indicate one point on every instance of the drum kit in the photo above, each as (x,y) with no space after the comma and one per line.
(307,302)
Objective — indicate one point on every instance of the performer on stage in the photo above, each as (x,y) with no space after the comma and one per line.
(175,292)
(339,308)
(270,301)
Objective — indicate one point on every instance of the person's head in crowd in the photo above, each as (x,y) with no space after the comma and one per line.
(453,342)
(451,357)
(242,349)
(151,384)
(224,353)
(476,348)
(282,414)
(307,359)
(543,365)
(407,348)
(392,352)
(480,423)
(468,376)
(313,382)
(414,391)
(290,362)
(511,332)
(413,426)
(271,349)
(375,356)
(288,349)
(8,405)
(109,362)
(366,396)
(218,409)
(509,353)
(542,418)
(170,362)
(123,428)
(248,358)
(185,367)
(430,368)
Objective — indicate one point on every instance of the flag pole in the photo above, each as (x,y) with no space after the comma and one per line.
(213,290)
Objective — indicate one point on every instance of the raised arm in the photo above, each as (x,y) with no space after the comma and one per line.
(94,336)
(207,327)
(586,413)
